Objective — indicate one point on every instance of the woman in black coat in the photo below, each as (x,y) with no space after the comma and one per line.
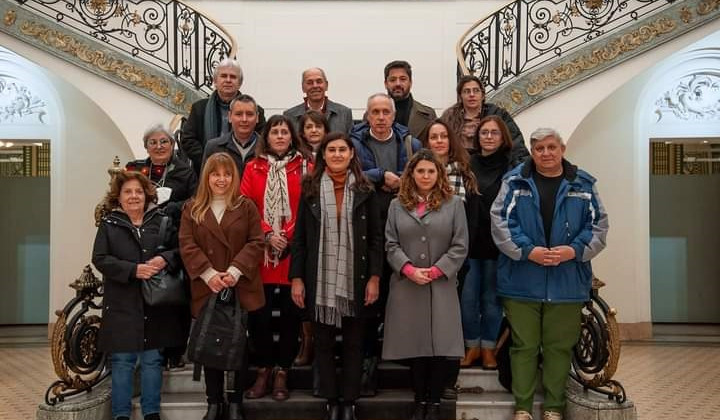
(125,252)
(336,265)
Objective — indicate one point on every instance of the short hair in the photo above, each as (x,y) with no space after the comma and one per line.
(112,198)
(543,132)
(380,95)
(462,81)
(243,98)
(302,76)
(398,64)
(262,147)
(233,64)
(156,128)
(506,144)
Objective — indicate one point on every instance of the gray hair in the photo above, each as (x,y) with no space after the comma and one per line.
(380,95)
(302,76)
(157,128)
(231,63)
(543,132)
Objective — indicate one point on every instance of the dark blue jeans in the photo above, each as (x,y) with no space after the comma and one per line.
(480,307)
(123,372)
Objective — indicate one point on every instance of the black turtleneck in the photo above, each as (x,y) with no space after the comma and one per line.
(402,110)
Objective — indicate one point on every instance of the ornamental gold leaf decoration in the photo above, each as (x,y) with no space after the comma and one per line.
(102,60)
(10,17)
(609,52)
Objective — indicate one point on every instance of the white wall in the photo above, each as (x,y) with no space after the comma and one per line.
(128,111)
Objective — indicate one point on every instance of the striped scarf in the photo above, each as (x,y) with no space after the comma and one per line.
(335,296)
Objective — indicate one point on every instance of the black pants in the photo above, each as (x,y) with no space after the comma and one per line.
(215,384)
(429,376)
(267,354)
(352,357)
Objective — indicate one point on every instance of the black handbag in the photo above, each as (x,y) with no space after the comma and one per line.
(218,338)
(165,288)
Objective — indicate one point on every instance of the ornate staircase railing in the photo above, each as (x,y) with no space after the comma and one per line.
(527,48)
(163,49)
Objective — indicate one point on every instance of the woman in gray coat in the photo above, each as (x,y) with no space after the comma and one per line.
(426,244)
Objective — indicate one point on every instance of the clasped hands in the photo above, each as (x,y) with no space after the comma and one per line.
(220,281)
(551,256)
(149,268)
(421,276)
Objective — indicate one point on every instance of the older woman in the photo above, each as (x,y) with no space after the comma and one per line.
(272,181)
(463,117)
(313,128)
(175,182)
(481,308)
(125,252)
(221,242)
(336,265)
(426,244)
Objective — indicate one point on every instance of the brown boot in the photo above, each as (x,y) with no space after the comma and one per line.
(471,355)
(261,385)
(280,390)
(488,358)
(305,354)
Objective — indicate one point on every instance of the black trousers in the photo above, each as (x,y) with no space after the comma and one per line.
(352,357)
(429,377)
(268,354)
(215,384)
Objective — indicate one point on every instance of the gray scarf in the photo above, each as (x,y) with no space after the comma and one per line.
(335,297)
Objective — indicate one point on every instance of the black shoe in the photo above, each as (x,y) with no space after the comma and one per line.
(122,418)
(153,416)
(214,412)
(348,412)
(333,411)
(419,411)
(433,412)
(175,363)
(235,412)
(449,393)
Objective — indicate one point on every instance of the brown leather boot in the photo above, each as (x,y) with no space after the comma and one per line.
(280,390)
(471,355)
(305,354)
(488,358)
(261,385)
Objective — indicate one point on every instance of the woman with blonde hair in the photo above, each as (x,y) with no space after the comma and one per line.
(426,243)
(221,243)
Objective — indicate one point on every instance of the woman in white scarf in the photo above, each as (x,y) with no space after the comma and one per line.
(272,181)
(336,265)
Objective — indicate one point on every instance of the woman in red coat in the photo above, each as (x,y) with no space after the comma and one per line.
(272,181)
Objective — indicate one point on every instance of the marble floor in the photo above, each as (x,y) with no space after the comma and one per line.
(666,379)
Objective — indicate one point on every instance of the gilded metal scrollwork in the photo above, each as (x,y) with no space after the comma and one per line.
(77,361)
(597,352)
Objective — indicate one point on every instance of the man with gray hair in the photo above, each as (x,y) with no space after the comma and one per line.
(548,223)
(314,85)
(209,117)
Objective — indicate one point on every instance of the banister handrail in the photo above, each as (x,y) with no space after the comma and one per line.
(165,34)
(524,35)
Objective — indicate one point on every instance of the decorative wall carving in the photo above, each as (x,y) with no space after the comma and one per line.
(696,97)
(18,104)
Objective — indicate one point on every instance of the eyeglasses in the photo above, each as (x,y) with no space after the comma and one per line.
(491,133)
(469,91)
(161,142)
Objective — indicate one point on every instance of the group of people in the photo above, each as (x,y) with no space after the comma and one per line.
(432,227)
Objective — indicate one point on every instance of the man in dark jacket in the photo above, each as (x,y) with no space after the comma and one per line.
(314,86)
(239,143)
(209,117)
(409,112)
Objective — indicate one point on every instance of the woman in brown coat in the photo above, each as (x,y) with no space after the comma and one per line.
(221,243)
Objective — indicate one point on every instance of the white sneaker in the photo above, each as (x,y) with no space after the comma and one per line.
(522,415)
(552,415)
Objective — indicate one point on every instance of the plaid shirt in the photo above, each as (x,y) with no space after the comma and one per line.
(456,180)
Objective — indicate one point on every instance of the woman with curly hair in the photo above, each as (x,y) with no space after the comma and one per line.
(426,243)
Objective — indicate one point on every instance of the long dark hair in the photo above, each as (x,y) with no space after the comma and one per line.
(457,153)
(311,182)
(296,143)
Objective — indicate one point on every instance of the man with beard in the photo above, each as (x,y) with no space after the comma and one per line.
(409,112)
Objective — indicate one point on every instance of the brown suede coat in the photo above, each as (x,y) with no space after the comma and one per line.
(238,240)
